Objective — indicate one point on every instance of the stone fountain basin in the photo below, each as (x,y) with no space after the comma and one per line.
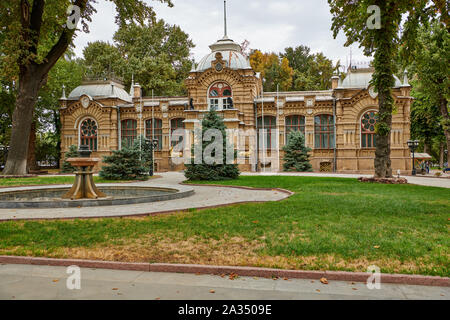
(50,197)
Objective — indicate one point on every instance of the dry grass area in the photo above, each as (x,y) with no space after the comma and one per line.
(230,251)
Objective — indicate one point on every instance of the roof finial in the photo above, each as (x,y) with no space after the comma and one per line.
(225,18)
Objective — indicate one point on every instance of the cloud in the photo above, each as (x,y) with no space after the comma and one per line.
(269,25)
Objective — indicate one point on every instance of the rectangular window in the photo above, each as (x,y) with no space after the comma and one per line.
(214,104)
(324,132)
(157,134)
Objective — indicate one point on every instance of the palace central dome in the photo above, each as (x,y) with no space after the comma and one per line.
(231,53)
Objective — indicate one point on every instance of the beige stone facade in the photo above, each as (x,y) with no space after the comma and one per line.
(225,81)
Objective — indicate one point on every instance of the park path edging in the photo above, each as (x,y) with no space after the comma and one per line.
(224,270)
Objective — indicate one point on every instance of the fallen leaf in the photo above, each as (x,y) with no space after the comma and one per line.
(377,247)
(275,278)
(223,275)
(233,276)
(158,299)
(115,289)
(354,289)
(318,290)
(312,281)
(255,221)
(212,291)
(56,280)
(324,281)
(285,279)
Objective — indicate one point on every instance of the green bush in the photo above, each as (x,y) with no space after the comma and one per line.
(296,158)
(212,172)
(125,164)
(72,153)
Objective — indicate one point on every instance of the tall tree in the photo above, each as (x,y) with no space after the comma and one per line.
(102,59)
(274,69)
(311,71)
(33,36)
(431,65)
(376,25)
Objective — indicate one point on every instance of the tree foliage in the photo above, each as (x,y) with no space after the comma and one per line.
(296,157)
(216,171)
(156,54)
(124,164)
(431,67)
(33,36)
(72,153)
(353,18)
(311,71)
(274,70)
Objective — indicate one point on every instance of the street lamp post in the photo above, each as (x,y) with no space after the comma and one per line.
(154,145)
(413,145)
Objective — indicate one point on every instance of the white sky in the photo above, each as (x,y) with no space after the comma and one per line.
(269,25)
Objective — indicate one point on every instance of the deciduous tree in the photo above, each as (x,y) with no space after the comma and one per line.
(33,36)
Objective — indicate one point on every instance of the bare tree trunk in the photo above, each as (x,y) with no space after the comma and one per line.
(31,160)
(28,91)
(446,116)
(441,155)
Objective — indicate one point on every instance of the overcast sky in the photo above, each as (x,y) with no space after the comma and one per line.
(269,25)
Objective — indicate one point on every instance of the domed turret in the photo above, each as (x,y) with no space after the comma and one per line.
(230,50)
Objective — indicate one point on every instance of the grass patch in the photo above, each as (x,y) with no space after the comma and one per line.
(330,223)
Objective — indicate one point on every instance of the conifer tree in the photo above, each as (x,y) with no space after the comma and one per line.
(216,171)
(124,164)
(296,156)
(72,153)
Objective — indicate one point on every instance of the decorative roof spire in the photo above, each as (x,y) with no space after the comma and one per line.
(225,19)
(63,93)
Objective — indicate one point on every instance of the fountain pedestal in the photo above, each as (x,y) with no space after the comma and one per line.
(84,186)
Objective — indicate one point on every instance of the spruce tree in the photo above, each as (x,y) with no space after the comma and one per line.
(72,153)
(124,164)
(216,171)
(296,158)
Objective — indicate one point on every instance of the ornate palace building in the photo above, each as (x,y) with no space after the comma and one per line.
(338,124)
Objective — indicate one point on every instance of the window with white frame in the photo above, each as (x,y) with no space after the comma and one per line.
(220,97)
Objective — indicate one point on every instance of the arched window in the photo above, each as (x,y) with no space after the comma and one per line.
(295,123)
(129,132)
(324,131)
(154,131)
(270,124)
(220,96)
(368,122)
(89,133)
(176,124)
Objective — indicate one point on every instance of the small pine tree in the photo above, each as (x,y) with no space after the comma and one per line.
(125,164)
(296,158)
(212,172)
(72,153)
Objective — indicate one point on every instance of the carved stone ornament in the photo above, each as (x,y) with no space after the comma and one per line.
(85,101)
(372,92)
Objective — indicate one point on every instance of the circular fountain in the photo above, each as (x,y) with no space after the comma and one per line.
(84,192)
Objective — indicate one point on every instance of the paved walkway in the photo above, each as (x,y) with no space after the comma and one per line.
(206,196)
(42,282)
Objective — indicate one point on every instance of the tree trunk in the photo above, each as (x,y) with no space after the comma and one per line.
(57,121)
(31,159)
(446,117)
(442,155)
(30,81)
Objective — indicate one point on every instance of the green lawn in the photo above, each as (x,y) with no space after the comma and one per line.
(329,224)
(42,180)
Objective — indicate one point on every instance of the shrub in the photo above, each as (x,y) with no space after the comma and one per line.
(212,172)
(72,153)
(125,164)
(296,156)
